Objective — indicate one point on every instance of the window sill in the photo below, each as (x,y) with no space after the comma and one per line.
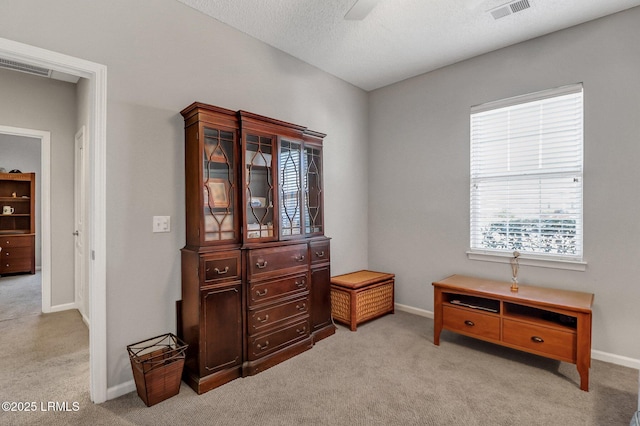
(528,260)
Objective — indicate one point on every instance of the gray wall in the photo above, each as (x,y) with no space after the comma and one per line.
(161,56)
(419,193)
(23,153)
(38,103)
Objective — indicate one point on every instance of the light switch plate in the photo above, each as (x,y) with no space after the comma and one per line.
(162,224)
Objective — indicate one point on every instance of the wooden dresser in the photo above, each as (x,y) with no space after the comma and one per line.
(543,321)
(17,223)
(256,266)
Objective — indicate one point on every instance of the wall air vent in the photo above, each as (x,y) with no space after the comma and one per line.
(19,66)
(509,8)
(500,12)
(39,71)
(519,6)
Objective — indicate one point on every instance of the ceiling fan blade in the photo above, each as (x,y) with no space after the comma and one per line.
(360,9)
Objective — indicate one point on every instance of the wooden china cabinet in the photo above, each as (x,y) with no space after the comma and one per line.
(256,265)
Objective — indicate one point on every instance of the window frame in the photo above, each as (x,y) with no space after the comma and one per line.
(571,262)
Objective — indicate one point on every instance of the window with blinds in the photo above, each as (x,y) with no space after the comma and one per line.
(526,174)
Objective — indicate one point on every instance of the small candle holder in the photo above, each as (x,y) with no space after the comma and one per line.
(514,285)
(514,271)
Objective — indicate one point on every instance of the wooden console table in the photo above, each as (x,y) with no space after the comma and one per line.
(543,321)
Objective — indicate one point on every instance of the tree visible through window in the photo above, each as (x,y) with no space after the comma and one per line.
(526,174)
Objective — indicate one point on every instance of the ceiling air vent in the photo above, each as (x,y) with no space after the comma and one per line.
(19,66)
(509,8)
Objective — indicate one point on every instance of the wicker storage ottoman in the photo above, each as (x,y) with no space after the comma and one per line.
(360,296)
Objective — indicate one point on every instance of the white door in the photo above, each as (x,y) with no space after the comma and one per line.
(79,215)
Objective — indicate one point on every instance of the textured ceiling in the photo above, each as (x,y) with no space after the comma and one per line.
(398,39)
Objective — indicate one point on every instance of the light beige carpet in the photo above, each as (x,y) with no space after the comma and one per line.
(20,295)
(387,373)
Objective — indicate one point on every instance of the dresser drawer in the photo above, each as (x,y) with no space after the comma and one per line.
(264,318)
(266,343)
(16,241)
(271,290)
(285,259)
(319,252)
(472,323)
(15,253)
(8,266)
(223,266)
(555,343)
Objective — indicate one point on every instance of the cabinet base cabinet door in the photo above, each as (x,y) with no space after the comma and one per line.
(321,324)
(220,342)
(222,329)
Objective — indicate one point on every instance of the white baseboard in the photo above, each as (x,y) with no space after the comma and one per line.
(64,307)
(595,354)
(616,359)
(85,320)
(121,389)
(415,311)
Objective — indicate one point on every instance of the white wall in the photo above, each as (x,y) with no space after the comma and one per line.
(38,103)
(419,193)
(161,56)
(83,95)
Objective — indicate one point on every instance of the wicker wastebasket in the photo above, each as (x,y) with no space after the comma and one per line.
(157,365)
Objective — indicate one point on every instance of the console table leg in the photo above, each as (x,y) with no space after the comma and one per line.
(583,355)
(584,380)
(437,316)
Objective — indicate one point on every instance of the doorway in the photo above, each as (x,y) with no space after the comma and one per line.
(45,204)
(96,74)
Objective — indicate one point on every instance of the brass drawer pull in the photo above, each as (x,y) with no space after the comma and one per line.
(300,283)
(262,293)
(263,346)
(299,257)
(302,307)
(301,331)
(224,271)
(469,323)
(261,265)
(320,253)
(263,320)
(537,339)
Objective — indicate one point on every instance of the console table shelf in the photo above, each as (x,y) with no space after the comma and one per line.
(548,322)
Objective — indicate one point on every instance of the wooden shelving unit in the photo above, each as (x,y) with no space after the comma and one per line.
(17,223)
(544,321)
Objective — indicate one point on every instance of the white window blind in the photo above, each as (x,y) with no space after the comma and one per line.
(526,174)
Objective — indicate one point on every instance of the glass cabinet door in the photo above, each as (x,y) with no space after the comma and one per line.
(312,175)
(259,186)
(219,185)
(290,186)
